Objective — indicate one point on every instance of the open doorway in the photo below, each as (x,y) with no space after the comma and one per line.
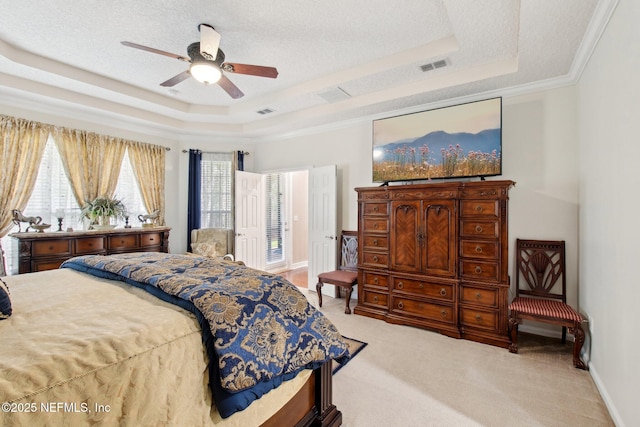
(287,221)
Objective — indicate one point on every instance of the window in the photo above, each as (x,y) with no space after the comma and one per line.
(274,222)
(52,192)
(216,198)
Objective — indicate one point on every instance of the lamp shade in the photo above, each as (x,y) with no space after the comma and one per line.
(205,72)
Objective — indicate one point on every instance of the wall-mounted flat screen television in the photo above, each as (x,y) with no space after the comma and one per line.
(460,141)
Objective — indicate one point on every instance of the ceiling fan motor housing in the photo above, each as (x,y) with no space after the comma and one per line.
(194,53)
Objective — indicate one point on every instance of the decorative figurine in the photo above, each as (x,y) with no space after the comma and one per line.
(19,218)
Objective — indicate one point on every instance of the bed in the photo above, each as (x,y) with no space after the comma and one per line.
(95,343)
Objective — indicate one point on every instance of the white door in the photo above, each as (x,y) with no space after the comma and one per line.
(250,221)
(322,224)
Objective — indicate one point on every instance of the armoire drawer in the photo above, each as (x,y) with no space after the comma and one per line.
(375,225)
(375,242)
(479,228)
(427,310)
(375,208)
(473,269)
(375,299)
(374,280)
(479,208)
(479,249)
(479,296)
(441,291)
(375,259)
(479,318)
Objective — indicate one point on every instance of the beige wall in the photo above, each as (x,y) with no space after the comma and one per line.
(609,113)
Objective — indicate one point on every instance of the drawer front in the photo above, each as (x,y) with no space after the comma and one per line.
(123,242)
(150,239)
(479,249)
(44,265)
(489,208)
(479,318)
(480,296)
(51,247)
(442,291)
(375,225)
(473,228)
(375,299)
(375,242)
(375,208)
(441,313)
(479,270)
(424,193)
(375,259)
(87,245)
(374,280)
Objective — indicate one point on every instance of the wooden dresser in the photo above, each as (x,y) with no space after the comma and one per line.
(46,251)
(436,256)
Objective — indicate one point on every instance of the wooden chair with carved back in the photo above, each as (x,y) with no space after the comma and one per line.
(540,269)
(347,273)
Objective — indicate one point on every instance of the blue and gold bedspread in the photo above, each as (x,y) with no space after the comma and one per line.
(259,329)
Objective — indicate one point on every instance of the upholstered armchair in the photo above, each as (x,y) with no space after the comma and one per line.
(212,242)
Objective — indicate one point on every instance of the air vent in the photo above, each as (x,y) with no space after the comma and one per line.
(334,95)
(265,111)
(433,65)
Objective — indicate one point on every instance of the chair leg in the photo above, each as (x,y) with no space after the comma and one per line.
(513,331)
(348,298)
(319,290)
(578,334)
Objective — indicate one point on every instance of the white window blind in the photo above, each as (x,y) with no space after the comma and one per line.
(216,196)
(128,190)
(275,226)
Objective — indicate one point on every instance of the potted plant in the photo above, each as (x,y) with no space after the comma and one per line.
(100,211)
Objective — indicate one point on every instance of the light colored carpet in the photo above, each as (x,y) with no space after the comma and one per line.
(413,377)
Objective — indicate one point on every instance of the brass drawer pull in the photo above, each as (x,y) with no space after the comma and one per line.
(443,292)
(375,242)
(478,269)
(479,208)
(375,299)
(400,305)
(375,209)
(478,249)
(478,318)
(400,285)
(478,295)
(375,281)
(443,313)
(421,285)
(478,229)
(375,258)
(376,225)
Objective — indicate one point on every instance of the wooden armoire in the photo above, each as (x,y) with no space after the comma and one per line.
(436,256)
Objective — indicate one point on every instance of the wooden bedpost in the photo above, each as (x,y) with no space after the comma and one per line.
(328,414)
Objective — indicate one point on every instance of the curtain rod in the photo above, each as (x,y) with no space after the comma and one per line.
(246,153)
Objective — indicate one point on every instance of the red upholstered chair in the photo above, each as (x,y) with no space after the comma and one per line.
(541,264)
(347,274)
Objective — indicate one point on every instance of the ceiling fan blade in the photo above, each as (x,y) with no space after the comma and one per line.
(209,42)
(176,79)
(252,70)
(230,88)
(152,50)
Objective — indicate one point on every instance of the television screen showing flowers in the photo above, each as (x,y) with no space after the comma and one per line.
(451,142)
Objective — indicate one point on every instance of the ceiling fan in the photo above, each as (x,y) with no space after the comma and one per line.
(207,63)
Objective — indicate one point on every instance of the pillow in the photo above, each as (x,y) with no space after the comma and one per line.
(5,302)
(206,249)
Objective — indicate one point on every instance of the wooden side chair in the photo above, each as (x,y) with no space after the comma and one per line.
(347,273)
(540,264)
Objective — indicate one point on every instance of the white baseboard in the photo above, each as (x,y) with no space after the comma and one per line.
(605,396)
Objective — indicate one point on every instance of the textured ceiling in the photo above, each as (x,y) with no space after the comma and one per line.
(67,53)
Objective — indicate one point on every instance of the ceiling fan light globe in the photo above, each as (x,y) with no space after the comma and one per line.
(205,73)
